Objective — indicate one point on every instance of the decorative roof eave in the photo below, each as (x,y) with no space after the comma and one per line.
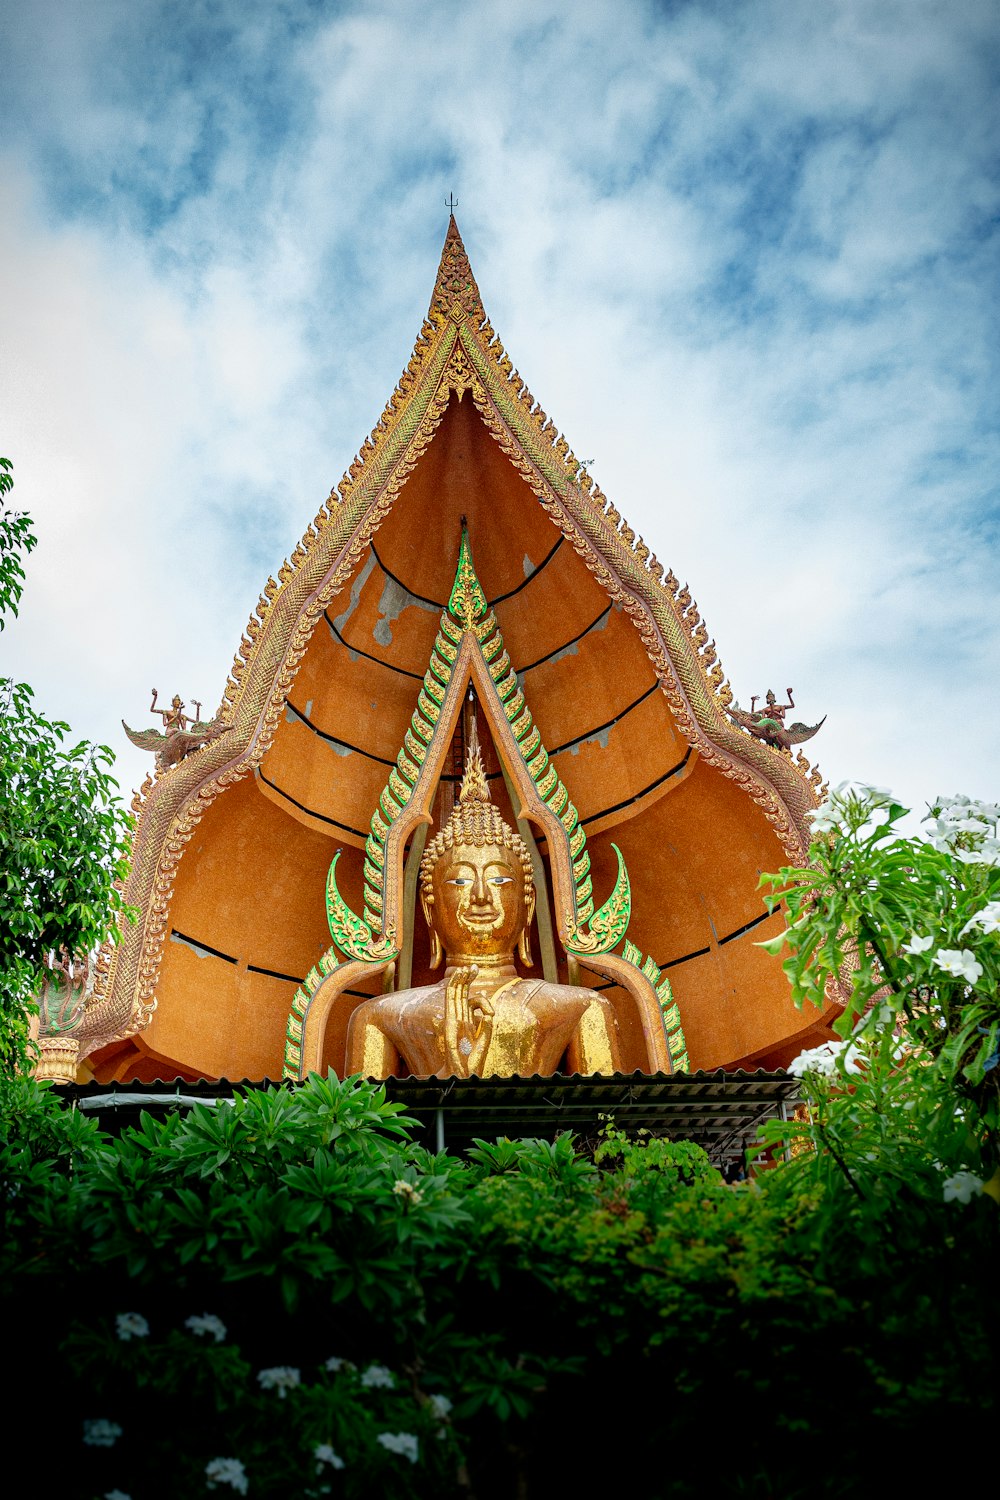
(456,350)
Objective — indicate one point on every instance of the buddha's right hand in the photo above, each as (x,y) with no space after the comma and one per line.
(466,1036)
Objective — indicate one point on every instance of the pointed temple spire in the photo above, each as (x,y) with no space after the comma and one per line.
(455,286)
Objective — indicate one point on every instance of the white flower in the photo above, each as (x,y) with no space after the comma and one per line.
(818,1060)
(962,1188)
(324,1454)
(208,1323)
(131,1326)
(823,1060)
(100,1433)
(335,1363)
(985,853)
(988,919)
(440,1406)
(280,1378)
(877,796)
(961,962)
(406,1190)
(917,945)
(227,1471)
(965,829)
(378,1377)
(400,1442)
(937,832)
(824,819)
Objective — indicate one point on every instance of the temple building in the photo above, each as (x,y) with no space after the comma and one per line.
(468,650)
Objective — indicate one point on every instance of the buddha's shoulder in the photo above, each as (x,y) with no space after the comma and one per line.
(543,992)
(428,995)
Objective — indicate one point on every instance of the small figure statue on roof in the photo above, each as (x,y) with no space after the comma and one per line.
(768,723)
(180,734)
(62,1001)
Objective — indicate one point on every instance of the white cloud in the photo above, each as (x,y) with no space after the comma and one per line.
(741,255)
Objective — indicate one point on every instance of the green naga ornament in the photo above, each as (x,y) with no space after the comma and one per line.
(351,933)
(609,923)
(468,614)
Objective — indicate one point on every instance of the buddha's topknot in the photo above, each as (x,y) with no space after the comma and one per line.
(475,822)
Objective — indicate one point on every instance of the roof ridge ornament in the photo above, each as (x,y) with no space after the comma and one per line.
(467,602)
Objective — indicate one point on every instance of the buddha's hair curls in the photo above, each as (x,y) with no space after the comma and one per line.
(474,822)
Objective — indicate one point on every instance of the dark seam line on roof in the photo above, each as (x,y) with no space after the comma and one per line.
(356,750)
(700,952)
(333,739)
(673,962)
(522,671)
(422,597)
(272,973)
(400,671)
(599,729)
(747,926)
(500,598)
(674,770)
(302,807)
(202,947)
(530,578)
(492,776)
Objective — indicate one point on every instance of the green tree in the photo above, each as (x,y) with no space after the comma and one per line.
(63,830)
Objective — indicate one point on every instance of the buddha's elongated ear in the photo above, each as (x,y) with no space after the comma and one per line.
(437,953)
(524,941)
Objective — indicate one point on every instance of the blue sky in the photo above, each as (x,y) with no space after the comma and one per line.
(744,254)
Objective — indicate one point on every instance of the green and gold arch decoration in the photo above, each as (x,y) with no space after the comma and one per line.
(668,1005)
(371,939)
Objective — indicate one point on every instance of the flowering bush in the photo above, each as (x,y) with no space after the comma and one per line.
(100,1433)
(282,1378)
(227,1471)
(131,1326)
(207,1324)
(405,1443)
(905,931)
(445,1339)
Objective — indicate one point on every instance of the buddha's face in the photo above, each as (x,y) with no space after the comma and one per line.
(479,907)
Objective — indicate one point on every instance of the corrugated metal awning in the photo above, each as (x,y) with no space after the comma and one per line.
(718,1110)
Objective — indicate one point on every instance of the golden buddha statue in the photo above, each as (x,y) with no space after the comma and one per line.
(478,898)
